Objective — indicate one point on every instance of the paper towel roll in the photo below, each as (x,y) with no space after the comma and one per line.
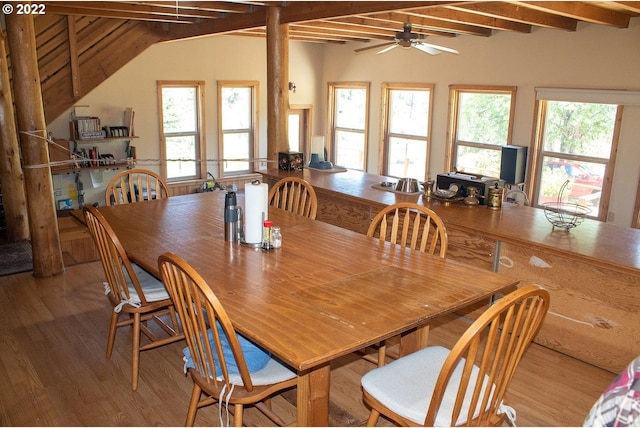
(256,210)
(317,146)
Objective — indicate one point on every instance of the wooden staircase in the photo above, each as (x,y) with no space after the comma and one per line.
(77,53)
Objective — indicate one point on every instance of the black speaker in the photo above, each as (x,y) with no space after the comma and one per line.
(513,164)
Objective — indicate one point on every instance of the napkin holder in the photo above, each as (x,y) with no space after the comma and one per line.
(290,161)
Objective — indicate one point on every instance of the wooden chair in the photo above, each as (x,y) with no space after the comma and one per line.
(131,291)
(295,195)
(231,382)
(409,225)
(135,185)
(467,384)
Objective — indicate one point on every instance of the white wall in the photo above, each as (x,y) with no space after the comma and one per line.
(593,57)
(206,58)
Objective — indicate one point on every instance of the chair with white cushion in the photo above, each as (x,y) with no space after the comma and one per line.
(131,291)
(225,366)
(466,385)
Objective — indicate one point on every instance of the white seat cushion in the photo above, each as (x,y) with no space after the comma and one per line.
(154,289)
(273,372)
(405,386)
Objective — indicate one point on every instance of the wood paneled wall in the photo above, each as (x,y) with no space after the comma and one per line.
(76,55)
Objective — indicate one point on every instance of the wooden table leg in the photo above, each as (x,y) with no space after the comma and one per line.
(414,340)
(313,397)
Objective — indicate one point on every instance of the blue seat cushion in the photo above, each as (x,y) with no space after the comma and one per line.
(255,357)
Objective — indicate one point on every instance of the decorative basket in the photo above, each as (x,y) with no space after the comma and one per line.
(564,215)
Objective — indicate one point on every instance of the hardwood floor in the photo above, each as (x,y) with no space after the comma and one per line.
(53,369)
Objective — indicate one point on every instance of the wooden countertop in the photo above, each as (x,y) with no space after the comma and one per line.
(599,243)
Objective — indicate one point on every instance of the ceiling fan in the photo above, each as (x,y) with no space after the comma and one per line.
(407,39)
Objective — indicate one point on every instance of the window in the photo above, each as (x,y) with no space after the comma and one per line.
(295,131)
(481,122)
(299,119)
(348,117)
(237,103)
(182,130)
(406,124)
(575,143)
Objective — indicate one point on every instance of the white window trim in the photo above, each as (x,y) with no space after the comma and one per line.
(597,96)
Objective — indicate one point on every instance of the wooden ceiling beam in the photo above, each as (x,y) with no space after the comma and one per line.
(631,6)
(115,14)
(518,13)
(481,20)
(260,32)
(211,6)
(292,12)
(422,23)
(371,22)
(312,10)
(134,9)
(324,36)
(339,27)
(227,24)
(584,11)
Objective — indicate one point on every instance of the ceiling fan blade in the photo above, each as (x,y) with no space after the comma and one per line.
(440,48)
(427,49)
(373,47)
(387,49)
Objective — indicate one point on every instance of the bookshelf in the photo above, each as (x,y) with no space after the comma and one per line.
(92,150)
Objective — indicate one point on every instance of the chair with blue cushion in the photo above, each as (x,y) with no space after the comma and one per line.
(228,368)
(131,291)
(466,385)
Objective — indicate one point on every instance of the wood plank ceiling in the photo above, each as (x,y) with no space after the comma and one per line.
(82,43)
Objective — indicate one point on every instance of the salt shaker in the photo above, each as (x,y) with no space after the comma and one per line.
(276,237)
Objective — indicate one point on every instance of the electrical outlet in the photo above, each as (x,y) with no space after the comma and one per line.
(611,216)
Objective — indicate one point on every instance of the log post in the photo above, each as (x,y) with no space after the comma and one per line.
(277,84)
(14,200)
(32,130)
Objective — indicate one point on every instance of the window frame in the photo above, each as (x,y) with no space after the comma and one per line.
(385,134)
(539,153)
(254,85)
(331,118)
(454,102)
(201,173)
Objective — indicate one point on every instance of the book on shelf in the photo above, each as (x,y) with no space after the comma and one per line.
(128,120)
(88,128)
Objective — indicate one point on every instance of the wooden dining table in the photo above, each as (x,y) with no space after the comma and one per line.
(325,293)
